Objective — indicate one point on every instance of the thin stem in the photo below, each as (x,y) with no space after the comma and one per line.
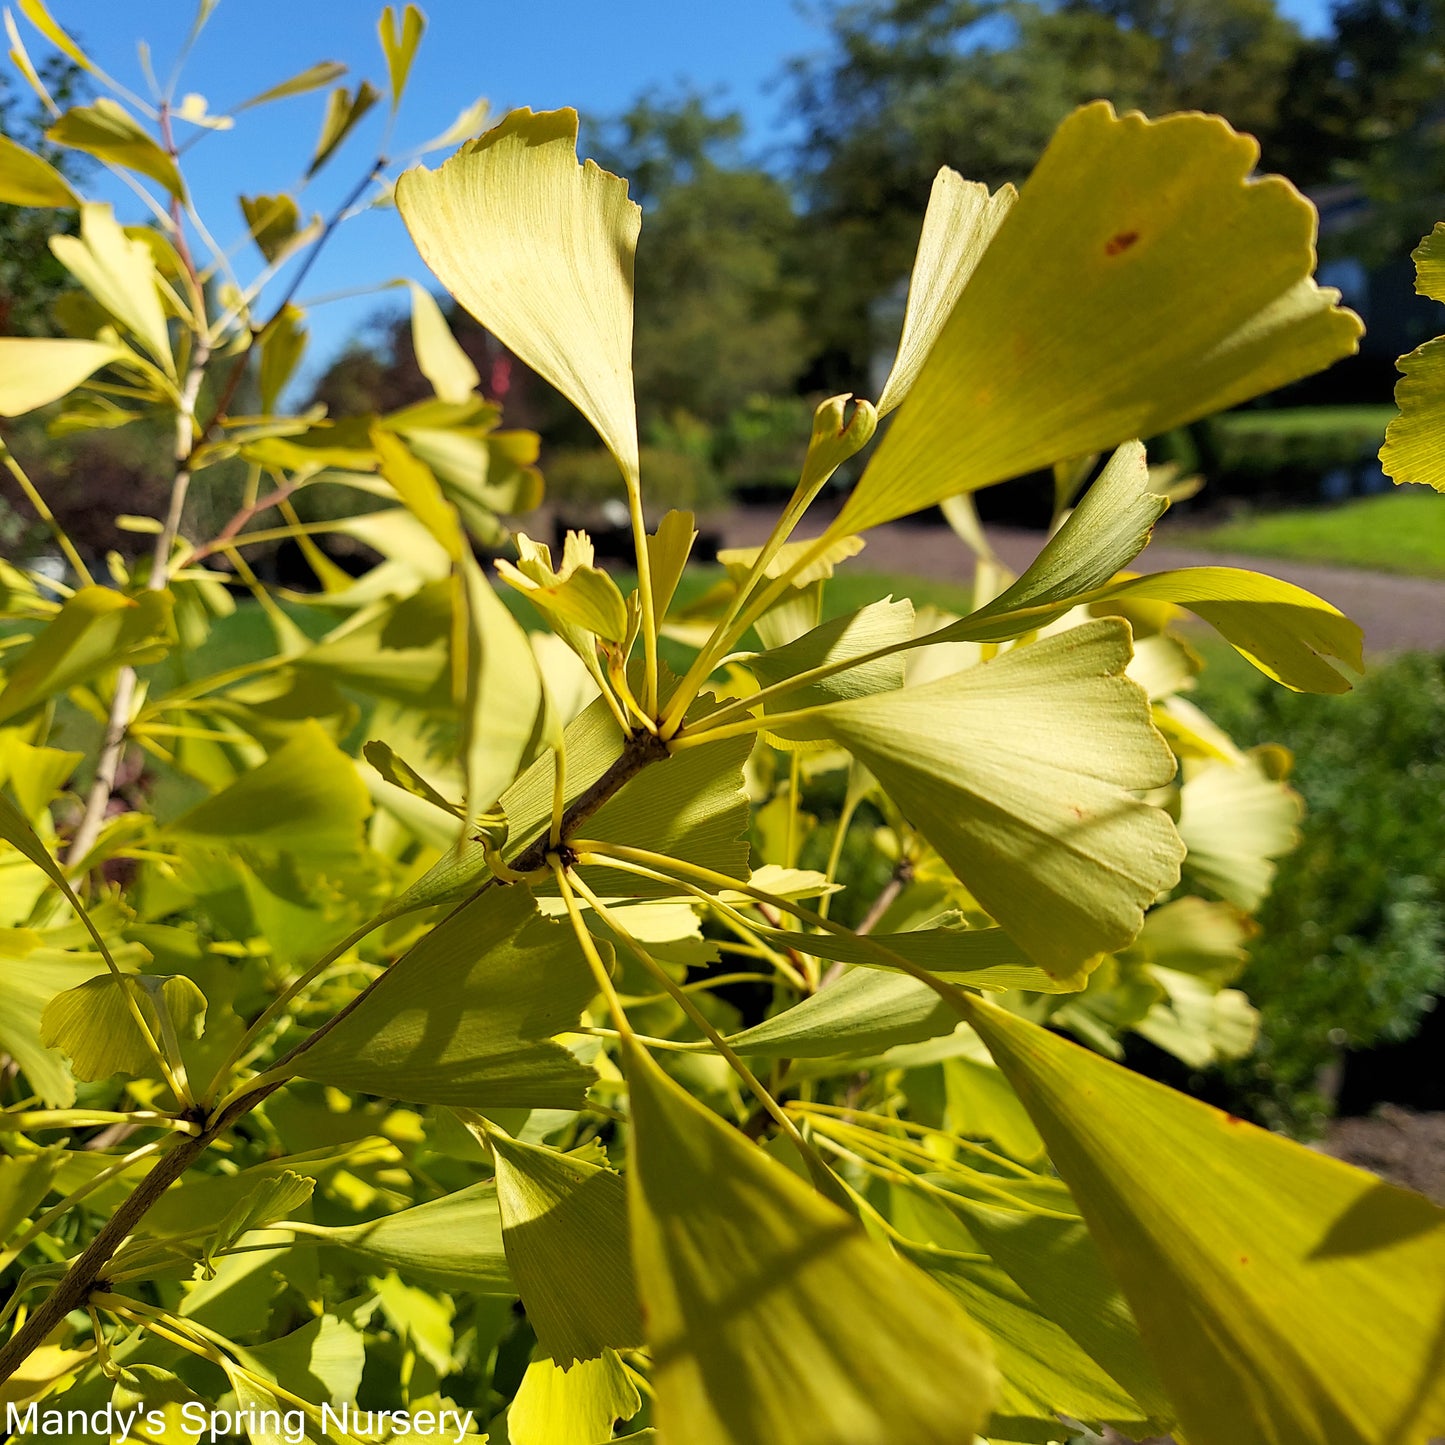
(32,494)
(589,951)
(823,1176)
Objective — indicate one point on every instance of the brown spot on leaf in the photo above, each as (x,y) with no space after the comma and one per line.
(1121,242)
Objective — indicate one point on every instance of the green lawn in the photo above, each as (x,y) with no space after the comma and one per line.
(1399,531)
(1368,422)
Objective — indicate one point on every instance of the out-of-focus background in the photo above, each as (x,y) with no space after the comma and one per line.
(783,154)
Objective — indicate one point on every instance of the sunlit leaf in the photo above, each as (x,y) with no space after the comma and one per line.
(878,625)
(441,359)
(36,370)
(1283,1296)
(108,131)
(399,43)
(275,1198)
(564,1225)
(668,549)
(770,1313)
(27,180)
(539,249)
(282,348)
(94,1027)
(1414,449)
(957,226)
(468,1016)
(1235,819)
(1141,280)
(414,483)
(1018,771)
(321,1361)
(121,274)
(577,594)
(579,1405)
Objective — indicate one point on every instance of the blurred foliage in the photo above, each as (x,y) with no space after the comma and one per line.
(1351,949)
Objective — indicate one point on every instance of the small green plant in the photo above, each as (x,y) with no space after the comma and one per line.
(537,999)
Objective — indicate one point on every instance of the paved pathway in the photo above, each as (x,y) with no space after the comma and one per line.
(1397,613)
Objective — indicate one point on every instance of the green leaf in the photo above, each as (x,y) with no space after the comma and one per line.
(579,1405)
(94,1027)
(876,626)
(468,1015)
(957,227)
(343,111)
(36,370)
(312,78)
(400,774)
(1043,1372)
(1283,1296)
(27,180)
(564,1226)
(272,222)
(977,957)
(770,1313)
(281,350)
(668,549)
(322,1361)
(1141,280)
(414,483)
(306,798)
(1020,771)
(107,131)
(121,274)
(864,1012)
(277,1197)
(578,594)
(96,631)
(24,1182)
(507,721)
(454,1242)
(1283,630)
(399,43)
(539,249)
(739,560)
(440,357)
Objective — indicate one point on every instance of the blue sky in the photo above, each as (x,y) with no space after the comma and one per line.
(597,55)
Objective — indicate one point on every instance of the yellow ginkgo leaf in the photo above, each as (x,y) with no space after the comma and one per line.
(539,249)
(771,1314)
(958,225)
(36,370)
(1284,1297)
(1140,281)
(1414,449)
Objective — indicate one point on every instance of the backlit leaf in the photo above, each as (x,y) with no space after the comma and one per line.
(957,226)
(668,549)
(399,43)
(36,370)
(441,359)
(1018,771)
(27,180)
(579,1405)
(770,1313)
(1284,1296)
(95,1028)
(539,249)
(272,222)
(109,132)
(578,594)
(121,274)
(468,1016)
(1141,280)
